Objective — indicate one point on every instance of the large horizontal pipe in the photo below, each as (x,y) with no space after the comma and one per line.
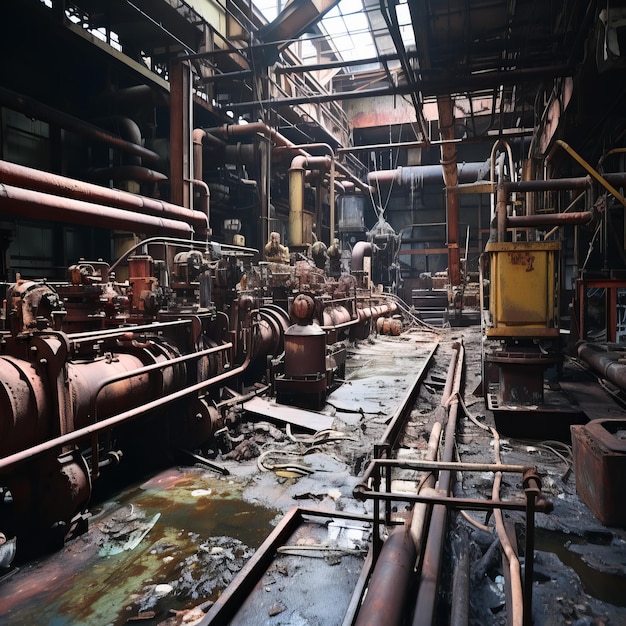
(428,174)
(228,131)
(44,206)
(548,219)
(553,184)
(136,173)
(116,420)
(609,364)
(35,109)
(21,176)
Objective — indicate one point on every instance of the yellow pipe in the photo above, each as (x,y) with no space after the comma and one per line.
(296,205)
(592,171)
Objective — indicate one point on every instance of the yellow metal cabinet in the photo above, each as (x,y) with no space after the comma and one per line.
(523,288)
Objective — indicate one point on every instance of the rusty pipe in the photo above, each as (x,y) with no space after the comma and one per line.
(376,311)
(388,587)
(445,107)
(548,219)
(609,364)
(126,172)
(515,578)
(35,109)
(202,137)
(425,605)
(553,184)
(234,130)
(38,180)
(306,146)
(205,196)
(44,206)
(101,383)
(421,510)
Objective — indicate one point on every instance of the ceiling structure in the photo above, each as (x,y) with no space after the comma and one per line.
(510,66)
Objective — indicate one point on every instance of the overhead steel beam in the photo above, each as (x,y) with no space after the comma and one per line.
(428,87)
(313,67)
(293,21)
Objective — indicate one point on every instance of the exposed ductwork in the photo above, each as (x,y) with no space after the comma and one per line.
(236,130)
(294,20)
(35,109)
(421,175)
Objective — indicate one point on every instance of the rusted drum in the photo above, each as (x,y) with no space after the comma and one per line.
(24,406)
(305,350)
(388,326)
(47,493)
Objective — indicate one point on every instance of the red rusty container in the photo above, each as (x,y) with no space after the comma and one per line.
(305,351)
(600,464)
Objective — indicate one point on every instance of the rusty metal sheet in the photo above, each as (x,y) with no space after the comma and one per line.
(600,476)
(309,420)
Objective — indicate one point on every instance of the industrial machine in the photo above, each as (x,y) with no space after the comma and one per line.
(520,320)
(523,317)
(98,372)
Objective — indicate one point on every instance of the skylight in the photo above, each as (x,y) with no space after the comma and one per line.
(345,26)
(353,29)
(351,42)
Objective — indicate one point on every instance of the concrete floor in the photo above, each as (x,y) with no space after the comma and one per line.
(161,550)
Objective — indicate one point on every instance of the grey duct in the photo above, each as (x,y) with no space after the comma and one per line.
(421,175)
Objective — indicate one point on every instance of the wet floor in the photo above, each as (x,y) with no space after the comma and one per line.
(165,545)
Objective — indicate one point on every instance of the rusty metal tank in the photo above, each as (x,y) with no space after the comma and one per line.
(599,450)
(305,341)
(305,350)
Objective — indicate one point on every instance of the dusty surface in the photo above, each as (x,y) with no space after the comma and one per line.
(163,550)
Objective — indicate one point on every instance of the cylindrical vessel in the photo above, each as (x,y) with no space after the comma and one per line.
(305,350)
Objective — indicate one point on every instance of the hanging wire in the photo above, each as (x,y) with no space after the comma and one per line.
(395,165)
(373,157)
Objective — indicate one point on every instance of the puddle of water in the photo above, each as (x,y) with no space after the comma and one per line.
(604,586)
(203,535)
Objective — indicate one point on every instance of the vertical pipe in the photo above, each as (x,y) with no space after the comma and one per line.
(180,133)
(332,204)
(296,204)
(529,555)
(501,215)
(445,106)
(318,208)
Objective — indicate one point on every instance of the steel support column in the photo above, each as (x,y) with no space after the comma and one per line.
(180,133)
(445,105)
